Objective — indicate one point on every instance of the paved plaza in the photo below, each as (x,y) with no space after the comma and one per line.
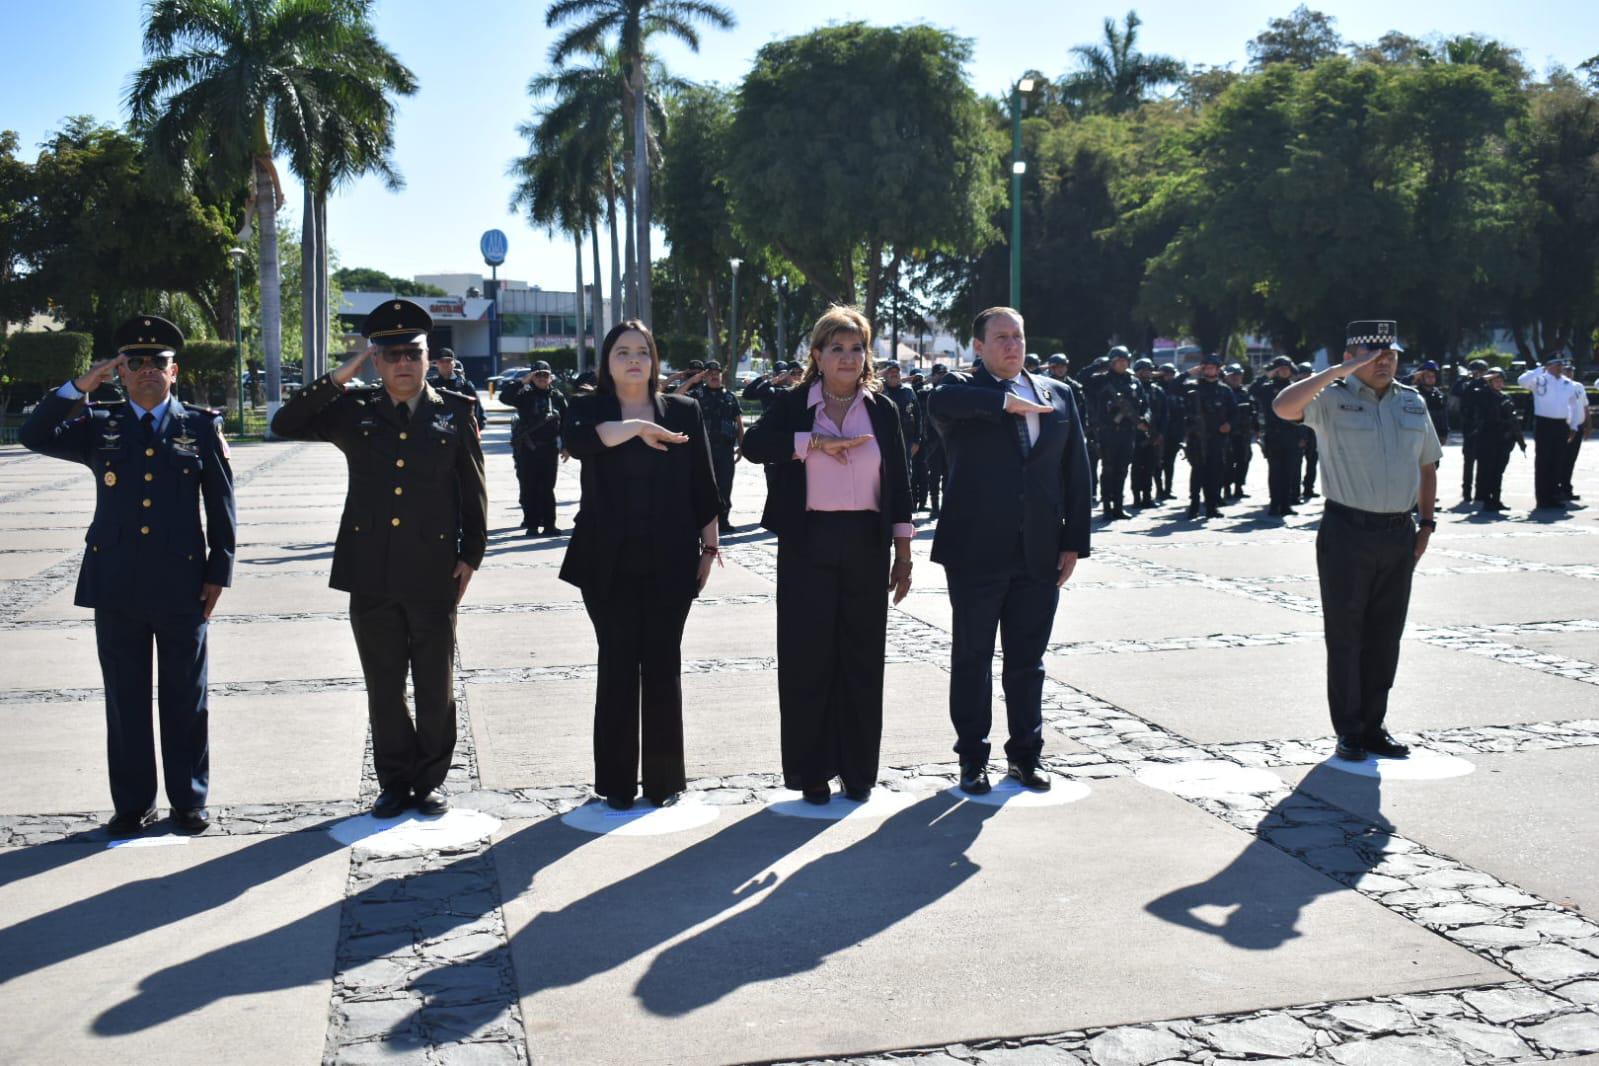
(1201,886)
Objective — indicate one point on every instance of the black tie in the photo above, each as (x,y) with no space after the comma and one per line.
(404,411)
(148,422)
(1022,435)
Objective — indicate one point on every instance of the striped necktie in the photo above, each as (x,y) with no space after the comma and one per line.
(1014,386)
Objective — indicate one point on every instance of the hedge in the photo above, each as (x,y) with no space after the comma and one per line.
(206,357)
(41,358)
(679,349)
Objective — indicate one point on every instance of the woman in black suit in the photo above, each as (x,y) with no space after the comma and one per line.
(641,550)
(840,496)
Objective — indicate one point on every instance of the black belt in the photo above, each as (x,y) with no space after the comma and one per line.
(1552,418)
(1369,519)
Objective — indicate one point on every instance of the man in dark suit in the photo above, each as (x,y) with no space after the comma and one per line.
(1017,501)
(150,573)
(413,533)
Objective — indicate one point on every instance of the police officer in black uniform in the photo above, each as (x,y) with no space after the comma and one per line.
(1212,414)
(1122,412)
(1282,441)
(412,535)
(1308,440)
(445,373)
(1425,381)
(904,397)
(724,429)
(932,450)
(1497,427)
(1151,443)
(1175,388)
(1463,391)
(536,445)
(1242,440)
(766,388)
(150,573)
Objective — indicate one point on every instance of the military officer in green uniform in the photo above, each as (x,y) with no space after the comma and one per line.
(150,573)
(413,534)
(1378,449)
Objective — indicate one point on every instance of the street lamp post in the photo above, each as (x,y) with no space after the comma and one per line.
(1018,167)
(782,326)
(237,255)
(732,330)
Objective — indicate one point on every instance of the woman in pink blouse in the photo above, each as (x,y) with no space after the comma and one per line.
(839,497)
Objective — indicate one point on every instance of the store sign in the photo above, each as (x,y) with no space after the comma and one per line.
(454,307)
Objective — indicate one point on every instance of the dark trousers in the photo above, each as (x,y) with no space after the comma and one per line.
(935,476)
(919,478)
(1549,461)
(1168,462)
(1570,469)
(1242,449)
(1282,477)
(1021,608)
(1116,452)
(1492,457)
(395,638)
(123,639)
(536,467)
(1365,565)
(639,627)
(722,463)
(1469,449)
(832,621)
(1207,468)
(1310,462)
(1146,466)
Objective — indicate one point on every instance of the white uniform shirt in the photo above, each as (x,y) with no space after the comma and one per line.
(1554,397)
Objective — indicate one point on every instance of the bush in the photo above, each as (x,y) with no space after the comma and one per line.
(561,360)
(1491,356)
(678,349)
(200,358)
(31,363)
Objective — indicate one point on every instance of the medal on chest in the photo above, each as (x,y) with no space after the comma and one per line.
(110,479)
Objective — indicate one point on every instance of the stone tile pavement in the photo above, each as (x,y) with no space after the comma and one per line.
(1219,894)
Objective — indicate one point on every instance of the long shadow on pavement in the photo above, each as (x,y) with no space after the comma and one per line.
(1263,913)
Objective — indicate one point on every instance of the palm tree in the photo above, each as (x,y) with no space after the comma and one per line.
(556,189)
(227,83)
(1115,77)
(633,22)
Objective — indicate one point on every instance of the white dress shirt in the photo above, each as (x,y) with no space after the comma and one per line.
(1554,397)
(1022,386)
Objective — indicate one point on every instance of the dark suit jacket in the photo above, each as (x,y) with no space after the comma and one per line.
(771,441)
(685,498)
(146,551)
(990,490)
(417,501)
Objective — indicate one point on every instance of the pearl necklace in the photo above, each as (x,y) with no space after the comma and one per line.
(839,399)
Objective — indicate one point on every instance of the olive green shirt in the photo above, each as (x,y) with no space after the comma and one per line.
(1372,449)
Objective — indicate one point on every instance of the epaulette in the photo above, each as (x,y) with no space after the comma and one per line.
(214,412)
(451,394)
(1408,388)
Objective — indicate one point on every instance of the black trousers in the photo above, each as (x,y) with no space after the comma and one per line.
(1311,455)
(1282,464)
(123,639)
(1570,469)
(919,478)
(935,476)
(1242,449)
(1492,458)
(1021,609)
(1146,469)
(395,638)
(1116,452)
(1549,460)
(639,692)
(1168,461)
(1469,449)
(1207,469)
(722,464)
(536,468)
(1364,563)
(832,622)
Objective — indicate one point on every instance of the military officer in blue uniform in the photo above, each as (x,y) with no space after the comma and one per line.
(151,573)
(413,533)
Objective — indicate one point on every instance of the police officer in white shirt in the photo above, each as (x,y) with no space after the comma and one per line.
(1557,406)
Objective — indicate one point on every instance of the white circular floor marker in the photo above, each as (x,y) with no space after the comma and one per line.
(1423,765)
(1210,778)
(411,832)
(881,804)
(1008,792)
(644,819)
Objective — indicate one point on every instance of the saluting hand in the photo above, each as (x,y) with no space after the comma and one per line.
(347,371)
(837,447)
(1015,405)
(99,374)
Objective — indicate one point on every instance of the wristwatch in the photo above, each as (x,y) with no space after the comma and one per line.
(1426,523)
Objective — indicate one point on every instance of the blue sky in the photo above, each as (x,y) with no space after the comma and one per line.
(474,57)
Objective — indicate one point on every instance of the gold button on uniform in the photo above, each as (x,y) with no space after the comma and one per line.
(404,435)
(398,491)
(146,502)
(400,463)
(145,530)
(149,477)
(394,521)
(149,452)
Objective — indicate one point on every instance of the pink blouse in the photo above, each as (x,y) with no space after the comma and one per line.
(853,485)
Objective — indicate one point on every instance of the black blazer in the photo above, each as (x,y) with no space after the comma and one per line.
(771,441)
(989,489)
(684,501)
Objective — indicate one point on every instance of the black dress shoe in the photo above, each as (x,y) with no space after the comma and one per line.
(1350,749)
(1286,511)
(619,803)
(974,780)
(1193,510)
(821,795)
(1028,777)
(194,820)
(1213,512)
(859,795)
(532,531)
(432,803)
(1384,746)
(666,799)
(724,526)
(130,825)
(391,801)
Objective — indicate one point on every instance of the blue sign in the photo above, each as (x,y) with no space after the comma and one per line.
(493,246)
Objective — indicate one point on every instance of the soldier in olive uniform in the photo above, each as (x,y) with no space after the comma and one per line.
(1497,427)
(724,429)
(536,445)
(1212,414)
(412,535)
(149,573)
(1242,439)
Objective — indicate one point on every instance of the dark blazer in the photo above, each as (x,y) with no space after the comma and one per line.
(146,550)
(771,441)
(684,500)
(989,489)
(416,502)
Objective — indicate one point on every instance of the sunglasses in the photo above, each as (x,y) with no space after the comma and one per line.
(137,363)
(398,355)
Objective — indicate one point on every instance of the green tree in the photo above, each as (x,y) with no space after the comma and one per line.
(367,279)
(843,193)
(555,186)
(16,220)
(1303,39)
(631,23)
(1114,76)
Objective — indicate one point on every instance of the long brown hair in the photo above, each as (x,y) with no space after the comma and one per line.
(837,319)
(602,373)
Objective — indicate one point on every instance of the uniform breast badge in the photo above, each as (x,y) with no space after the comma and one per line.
(110,479)
(183,445)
